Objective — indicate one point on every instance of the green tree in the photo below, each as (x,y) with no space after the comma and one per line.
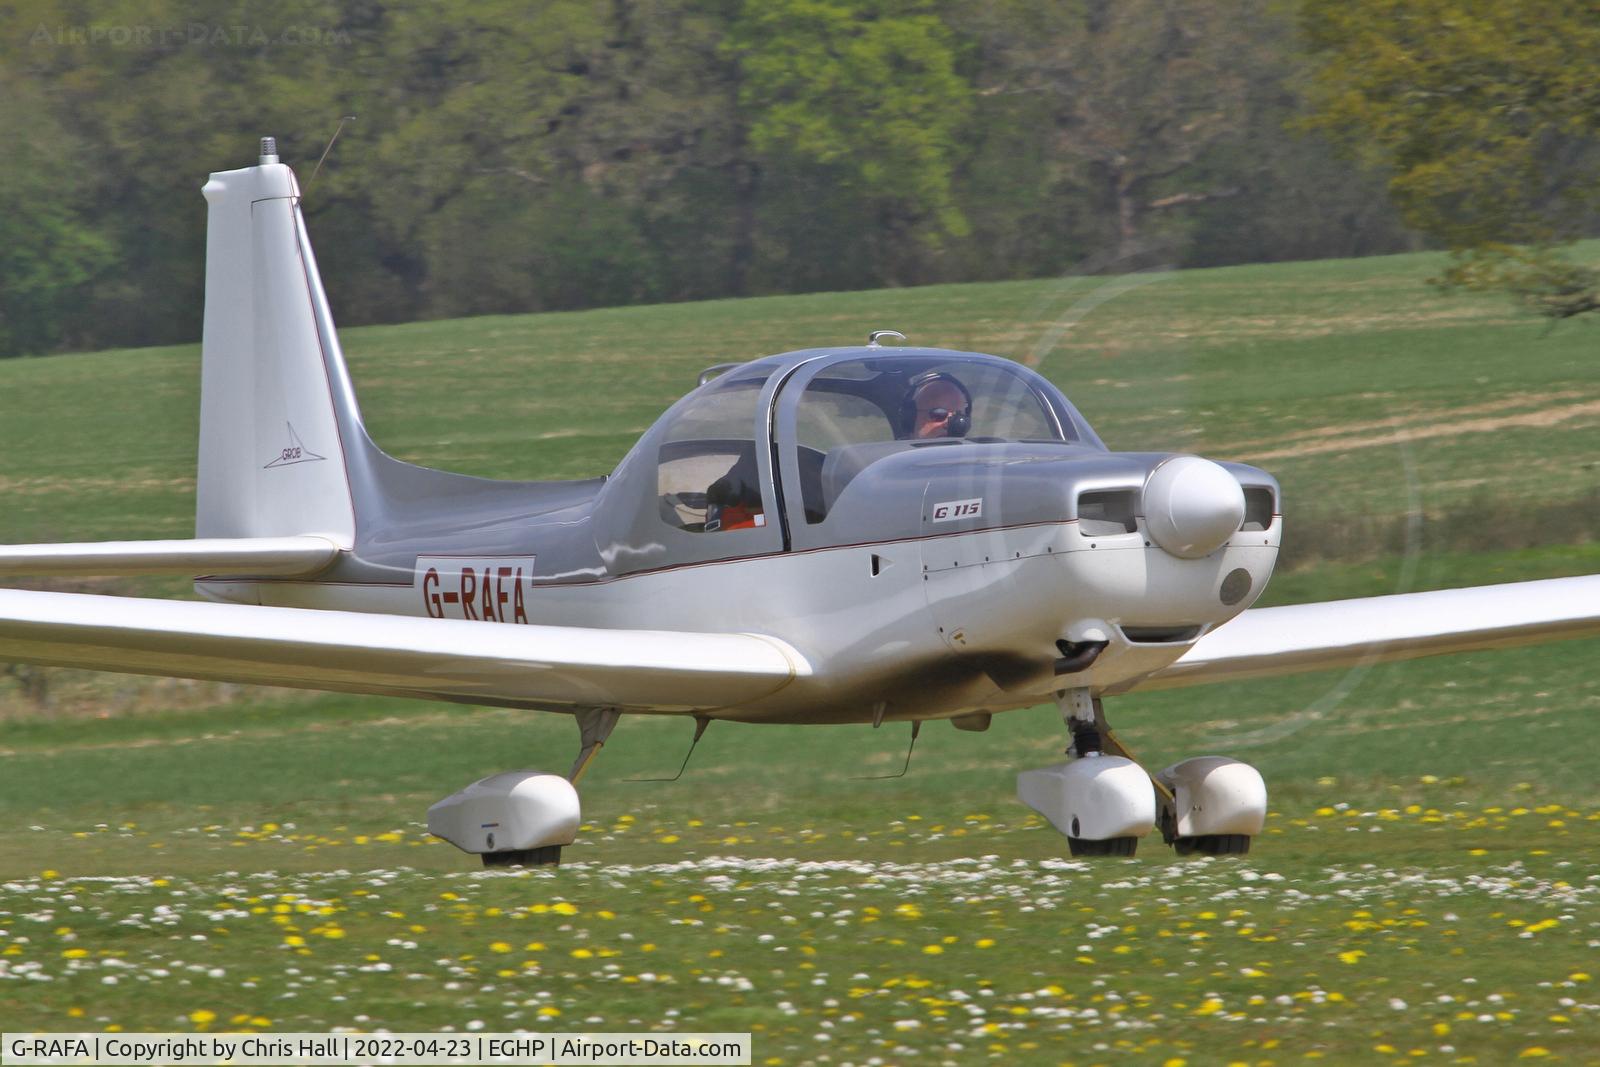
(869,93)
(139,101)
(50,250)
(567,155)
(1138,92)
(1486,115)
(1298,198)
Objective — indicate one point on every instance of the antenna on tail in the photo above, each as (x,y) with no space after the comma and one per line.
(318,168)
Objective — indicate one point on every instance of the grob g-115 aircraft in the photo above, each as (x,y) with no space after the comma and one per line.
(861,534)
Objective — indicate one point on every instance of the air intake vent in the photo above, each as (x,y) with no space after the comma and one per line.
(1106,513)
(1160,635)
(1257,508)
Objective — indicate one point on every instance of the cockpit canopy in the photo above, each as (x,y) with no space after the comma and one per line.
(796,430)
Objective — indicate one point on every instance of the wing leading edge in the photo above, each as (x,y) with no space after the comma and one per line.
(473,662)
(1346,633)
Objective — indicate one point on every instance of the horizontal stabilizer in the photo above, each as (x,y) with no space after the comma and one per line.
(1349,633)
(444,659)
(192,558)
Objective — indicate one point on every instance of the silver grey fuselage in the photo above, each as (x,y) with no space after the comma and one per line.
(946,577)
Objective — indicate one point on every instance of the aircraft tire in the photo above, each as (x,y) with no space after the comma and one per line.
(1213,845)
(1111,846)
(548,856)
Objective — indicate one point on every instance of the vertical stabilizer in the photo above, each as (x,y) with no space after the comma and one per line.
(277,414)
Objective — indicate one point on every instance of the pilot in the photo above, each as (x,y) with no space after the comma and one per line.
(733,501)
(936,405)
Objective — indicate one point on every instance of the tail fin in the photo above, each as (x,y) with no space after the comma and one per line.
(277,414)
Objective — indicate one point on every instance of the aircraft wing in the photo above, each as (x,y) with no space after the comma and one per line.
(1346,633)
(209,555)
(470,662)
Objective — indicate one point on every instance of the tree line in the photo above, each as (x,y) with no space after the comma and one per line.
(507,157)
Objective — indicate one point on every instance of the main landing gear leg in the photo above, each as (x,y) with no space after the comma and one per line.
(594,728)
(523,818)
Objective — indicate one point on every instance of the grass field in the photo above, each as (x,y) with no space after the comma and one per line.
(1428,888)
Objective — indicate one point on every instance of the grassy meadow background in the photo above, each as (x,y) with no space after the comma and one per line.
(176,855)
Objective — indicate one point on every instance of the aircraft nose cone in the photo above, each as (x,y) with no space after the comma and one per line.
(1192,506)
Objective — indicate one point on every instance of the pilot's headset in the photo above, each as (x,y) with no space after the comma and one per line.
(957,425)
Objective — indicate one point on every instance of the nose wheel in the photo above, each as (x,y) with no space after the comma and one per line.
(1104,801)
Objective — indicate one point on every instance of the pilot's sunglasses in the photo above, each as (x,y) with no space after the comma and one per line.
(941,414)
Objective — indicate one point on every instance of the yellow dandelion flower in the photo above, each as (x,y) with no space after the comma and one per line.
(1533,1052)
(564,908)
(549,1011)
(500,946)
(986,942)
(75,953)
(932,950)
(202,1017)
(581,954)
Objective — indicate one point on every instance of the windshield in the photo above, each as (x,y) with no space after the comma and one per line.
(857,412)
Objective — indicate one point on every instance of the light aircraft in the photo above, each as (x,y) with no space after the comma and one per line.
(862,534)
